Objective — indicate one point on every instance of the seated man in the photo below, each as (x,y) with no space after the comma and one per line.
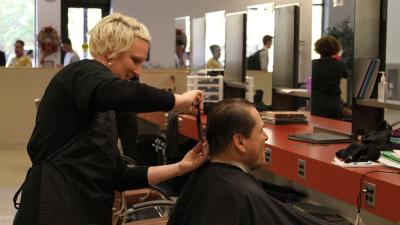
(222,191)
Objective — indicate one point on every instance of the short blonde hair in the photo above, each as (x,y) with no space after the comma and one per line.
(115,34)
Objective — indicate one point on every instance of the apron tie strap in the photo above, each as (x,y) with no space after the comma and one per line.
(16,195)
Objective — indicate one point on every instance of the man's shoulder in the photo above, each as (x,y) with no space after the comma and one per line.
(26,58)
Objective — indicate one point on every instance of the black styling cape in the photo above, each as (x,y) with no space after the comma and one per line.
(223,194)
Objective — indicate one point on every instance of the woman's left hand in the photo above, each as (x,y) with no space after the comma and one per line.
(194,158)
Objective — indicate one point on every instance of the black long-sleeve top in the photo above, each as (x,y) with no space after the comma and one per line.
(326,75)
(76,94)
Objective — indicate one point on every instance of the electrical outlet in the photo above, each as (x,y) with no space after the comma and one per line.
(370,190)
(268,155)
(301,168)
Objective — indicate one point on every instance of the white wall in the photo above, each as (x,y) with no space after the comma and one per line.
(48,14)
(159,17)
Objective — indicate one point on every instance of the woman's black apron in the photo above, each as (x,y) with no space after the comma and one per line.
(73,185)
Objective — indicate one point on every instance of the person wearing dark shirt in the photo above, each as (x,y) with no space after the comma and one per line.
(222,191)
(2,58)
(326,75)
(76,166)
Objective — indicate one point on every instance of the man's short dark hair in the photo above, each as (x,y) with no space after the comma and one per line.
(267,38)
(213,48)
(21,42)
(226,118)
(66,41)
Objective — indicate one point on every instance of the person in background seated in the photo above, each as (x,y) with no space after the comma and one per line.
(327,72)
(70,55)
(2,58)
(213,63)
(223,191)
(20,59)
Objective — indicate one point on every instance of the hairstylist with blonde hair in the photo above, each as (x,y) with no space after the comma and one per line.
(73,148)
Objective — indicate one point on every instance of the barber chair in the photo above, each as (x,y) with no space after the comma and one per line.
(149,206)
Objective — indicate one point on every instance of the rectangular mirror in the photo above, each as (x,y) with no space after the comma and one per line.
(198,44)
(235,47)
(286,55)
(260,22)
(215,36)
(182,42)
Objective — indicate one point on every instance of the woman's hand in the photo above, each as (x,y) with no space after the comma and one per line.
(186,102)
(194,158)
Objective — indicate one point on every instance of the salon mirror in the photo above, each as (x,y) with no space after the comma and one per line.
(182,42)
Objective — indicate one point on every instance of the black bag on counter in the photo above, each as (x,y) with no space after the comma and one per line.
(375,141)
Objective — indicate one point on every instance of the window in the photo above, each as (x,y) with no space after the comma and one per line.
(81,21)
(77,18)
(18,14)
(317,21)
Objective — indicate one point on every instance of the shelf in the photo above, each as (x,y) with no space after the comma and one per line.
(203,85)
(298,92)
(374,103)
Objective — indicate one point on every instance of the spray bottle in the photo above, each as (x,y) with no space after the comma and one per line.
(382,88)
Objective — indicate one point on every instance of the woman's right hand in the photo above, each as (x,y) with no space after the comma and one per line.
(187,101)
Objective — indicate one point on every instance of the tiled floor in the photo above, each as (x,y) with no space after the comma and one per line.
(13,166)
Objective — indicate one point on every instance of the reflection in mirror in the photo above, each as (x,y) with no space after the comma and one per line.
(260,22)
(182,42)
(215,36)
(332,59)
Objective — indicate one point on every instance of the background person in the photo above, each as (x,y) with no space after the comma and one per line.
(260,59)
(327,72)
(76,166)
(20,59)
(180,49)
(264,54)
(70,55)
(213,63)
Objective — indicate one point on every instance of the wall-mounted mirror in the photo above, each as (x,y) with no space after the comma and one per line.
(286,54)
(198,49)
(182,42)
(235,47)
(332,59)
(260,23)
(215,40)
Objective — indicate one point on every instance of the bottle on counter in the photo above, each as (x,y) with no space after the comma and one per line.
(382,88)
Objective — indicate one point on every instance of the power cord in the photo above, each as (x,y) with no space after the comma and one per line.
(363,191)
